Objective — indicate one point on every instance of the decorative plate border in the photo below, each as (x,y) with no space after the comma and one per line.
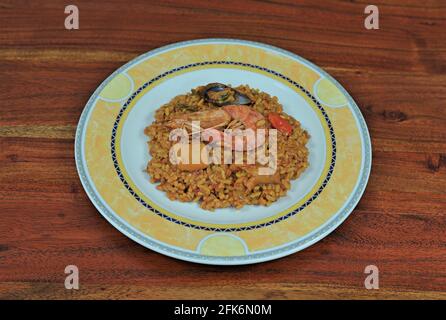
(183,254)
(222,229)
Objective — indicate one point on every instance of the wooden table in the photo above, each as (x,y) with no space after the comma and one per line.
(397,75)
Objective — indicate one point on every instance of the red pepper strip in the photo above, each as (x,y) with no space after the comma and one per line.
(280,123)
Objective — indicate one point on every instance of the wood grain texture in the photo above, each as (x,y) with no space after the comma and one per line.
(396,74)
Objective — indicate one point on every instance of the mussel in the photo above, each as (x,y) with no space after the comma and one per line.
(222,95)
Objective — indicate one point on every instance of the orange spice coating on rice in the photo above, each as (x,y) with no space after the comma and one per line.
(224,185)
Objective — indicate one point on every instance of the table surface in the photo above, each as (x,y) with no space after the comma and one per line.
(397,75)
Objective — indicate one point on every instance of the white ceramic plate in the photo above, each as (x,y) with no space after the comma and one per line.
(111,153)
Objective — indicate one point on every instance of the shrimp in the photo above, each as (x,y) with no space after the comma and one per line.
(262,179)
(232,117)
(208,119)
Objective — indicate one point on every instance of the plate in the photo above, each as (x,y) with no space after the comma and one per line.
(111,153)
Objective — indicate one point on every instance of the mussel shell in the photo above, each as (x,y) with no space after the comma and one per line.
(240,98)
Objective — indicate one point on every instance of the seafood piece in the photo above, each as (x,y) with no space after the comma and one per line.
(243,118)
(208,119)
(222,95)
(233,117)
(262,179)
(185,164)
(280,123)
